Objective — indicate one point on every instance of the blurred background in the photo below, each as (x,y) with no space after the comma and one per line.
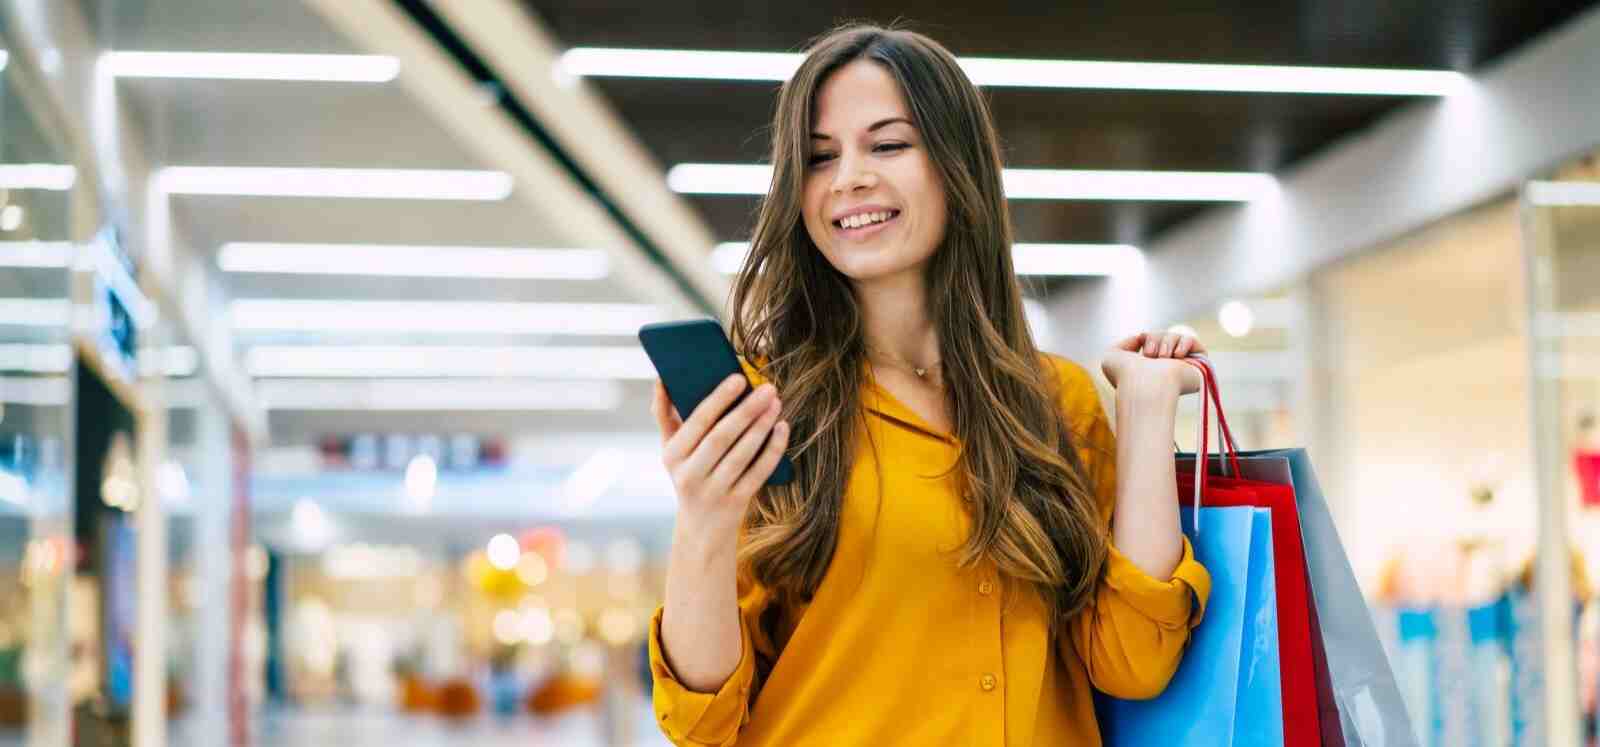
(322,417)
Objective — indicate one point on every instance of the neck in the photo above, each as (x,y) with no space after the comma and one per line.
(895,314)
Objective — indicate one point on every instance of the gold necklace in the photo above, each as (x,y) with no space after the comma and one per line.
(920,371)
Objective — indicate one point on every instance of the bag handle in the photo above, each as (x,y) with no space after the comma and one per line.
(1202,447)
(1228,446)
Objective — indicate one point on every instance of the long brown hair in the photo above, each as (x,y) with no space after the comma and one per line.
(1033,510)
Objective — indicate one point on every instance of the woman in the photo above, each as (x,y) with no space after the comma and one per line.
(944,570)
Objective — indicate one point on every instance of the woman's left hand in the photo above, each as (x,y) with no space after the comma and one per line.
(1153,358)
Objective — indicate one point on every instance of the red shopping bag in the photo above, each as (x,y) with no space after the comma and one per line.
(1297,634)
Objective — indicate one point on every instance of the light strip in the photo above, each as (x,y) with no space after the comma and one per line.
(413,261)
(56,358)
(456,317)
(54,391)
(177,361)
(729,256)
(52,176)
(1564,194)
(1076,259)
(1021,184)
(1208,186)
(449,361)
(41,254)
(36,358)
(1035,73)
(434,395)
(1027,259)
(35,312)
(391,184)
(345,68)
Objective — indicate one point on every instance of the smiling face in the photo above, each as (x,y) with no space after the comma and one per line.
(874,203)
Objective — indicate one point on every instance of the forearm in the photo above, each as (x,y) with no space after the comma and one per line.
(1146,528)
(700,617)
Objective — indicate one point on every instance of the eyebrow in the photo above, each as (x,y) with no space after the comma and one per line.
(878,125)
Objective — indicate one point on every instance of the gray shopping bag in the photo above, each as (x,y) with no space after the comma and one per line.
(1371,710)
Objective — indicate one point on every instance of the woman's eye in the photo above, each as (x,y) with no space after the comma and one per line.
(819,158)
(888,147)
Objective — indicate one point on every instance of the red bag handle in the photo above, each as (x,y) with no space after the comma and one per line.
(1229,447)
(1211,398)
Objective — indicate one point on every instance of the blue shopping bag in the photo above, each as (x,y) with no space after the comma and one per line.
(1227,690)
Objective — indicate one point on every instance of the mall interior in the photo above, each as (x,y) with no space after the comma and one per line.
(324,419)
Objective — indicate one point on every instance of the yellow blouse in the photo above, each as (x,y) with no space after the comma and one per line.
(900,646)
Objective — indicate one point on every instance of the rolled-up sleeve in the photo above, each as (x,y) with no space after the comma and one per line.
(688,717)
(1133,635)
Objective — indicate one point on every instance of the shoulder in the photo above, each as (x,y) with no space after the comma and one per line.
(752,369)
(1077,392)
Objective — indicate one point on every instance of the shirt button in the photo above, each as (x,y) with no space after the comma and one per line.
(987,682)
(985,587)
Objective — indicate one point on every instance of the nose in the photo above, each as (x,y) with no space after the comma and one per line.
(853,173)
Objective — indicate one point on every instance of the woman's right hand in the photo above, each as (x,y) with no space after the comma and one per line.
(716,458)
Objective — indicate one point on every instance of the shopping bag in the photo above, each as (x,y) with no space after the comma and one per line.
(1359,700)
(1226,690)
(1298,686)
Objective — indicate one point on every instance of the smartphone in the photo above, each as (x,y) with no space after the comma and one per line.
(693,357)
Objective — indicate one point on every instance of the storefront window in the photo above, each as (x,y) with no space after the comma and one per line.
(1562,239)
(36,361)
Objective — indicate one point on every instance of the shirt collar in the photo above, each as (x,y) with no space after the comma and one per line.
(882,402)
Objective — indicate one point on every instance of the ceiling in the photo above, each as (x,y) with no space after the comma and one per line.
(339,125)
(703,121)
(237,123)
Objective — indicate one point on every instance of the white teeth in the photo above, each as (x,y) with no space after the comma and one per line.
(864,219)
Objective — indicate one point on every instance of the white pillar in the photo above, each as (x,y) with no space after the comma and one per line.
(150,562)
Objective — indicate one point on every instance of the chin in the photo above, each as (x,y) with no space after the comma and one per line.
(872,269)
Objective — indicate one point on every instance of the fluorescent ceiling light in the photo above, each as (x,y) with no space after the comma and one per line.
(56,358)
(392,184)
(37,391)
(349,68)
(1025,73)
(177,361)
(719,178)
(729,256)
(42,254)
(1076,259)
(1021,184)
(456,317)
(52,176)
(1203,186)
(603,62)
(1027,259)
(412,261)
(1564,194)
(37,358)
(449,361)
(432,395)
(35,312)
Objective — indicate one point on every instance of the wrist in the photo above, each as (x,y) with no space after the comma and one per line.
(1165,386)
(704,537)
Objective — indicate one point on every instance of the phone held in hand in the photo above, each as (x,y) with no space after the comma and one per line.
(693,357)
